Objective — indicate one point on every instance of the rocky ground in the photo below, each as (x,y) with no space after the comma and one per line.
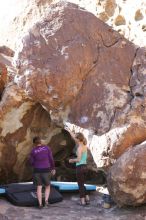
(68,209)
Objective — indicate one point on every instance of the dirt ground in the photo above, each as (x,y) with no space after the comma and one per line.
(68,209)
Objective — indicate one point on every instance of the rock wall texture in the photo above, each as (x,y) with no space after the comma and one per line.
(75,74)
(17,16)
(64,72)
(20,120)
(125,16)
(126,179)
(3,77)
(128,17)
(71,69)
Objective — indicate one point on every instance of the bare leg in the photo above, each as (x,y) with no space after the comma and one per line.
(39,195)
(83,202)
(47,193)
(87,199)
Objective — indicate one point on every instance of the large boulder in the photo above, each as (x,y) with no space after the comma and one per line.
(72,69)
(127,177)
(65,66)
(82,77)
(25,13)
(116,14)
(134,113)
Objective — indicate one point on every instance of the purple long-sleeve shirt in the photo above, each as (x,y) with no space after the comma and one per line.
(41,158)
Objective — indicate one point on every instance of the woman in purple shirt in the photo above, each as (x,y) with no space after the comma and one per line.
(42,161)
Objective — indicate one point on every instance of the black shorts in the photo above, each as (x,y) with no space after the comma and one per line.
(40,179)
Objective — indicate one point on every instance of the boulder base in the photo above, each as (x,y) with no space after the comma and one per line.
(127,177)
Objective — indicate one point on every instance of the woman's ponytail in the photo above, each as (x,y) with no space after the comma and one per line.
(81,138)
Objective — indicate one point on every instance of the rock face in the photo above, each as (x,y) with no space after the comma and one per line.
(71,74)
(20,120)
(25,13)
(18,17)
(134,113)
(3,77)
(70,69)
(65,72)
(116,14)
(127,177)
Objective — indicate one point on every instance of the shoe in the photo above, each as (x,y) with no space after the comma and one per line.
(47,205)
(87,202)
(40,207)
(81,204)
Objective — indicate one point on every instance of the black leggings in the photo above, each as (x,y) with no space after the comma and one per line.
(81,171)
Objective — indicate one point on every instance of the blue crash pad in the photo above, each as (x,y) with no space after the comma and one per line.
(71,186)
(2,191)
(61,186)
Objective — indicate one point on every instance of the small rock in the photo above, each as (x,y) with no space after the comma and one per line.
(103,16)
(144,27)
(138,15)
(7,51)
(120,20)
(73,198)
(110,7)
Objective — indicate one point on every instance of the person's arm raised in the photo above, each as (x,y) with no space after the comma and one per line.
(71,133)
